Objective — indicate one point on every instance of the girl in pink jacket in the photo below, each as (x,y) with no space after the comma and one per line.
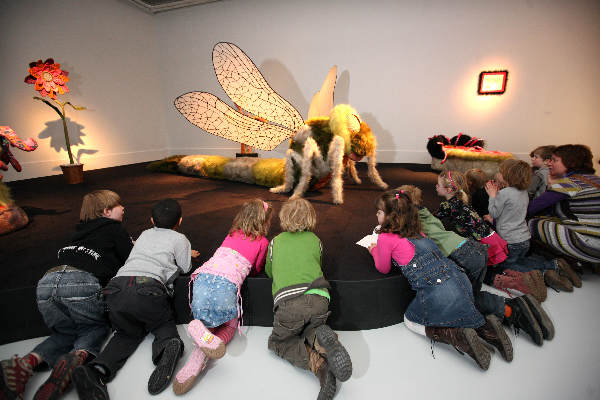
(216,288)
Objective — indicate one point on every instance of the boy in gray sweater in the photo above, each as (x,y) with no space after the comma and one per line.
(139,302)
(508,207)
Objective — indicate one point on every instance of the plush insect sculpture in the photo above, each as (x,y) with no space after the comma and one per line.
(8,138)
(331,138)
(436,144)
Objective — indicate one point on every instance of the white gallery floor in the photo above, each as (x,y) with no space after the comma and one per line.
(392,362)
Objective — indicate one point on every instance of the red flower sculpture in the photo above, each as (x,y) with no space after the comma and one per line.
(48,78)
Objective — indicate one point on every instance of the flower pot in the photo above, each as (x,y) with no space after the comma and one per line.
(73,173)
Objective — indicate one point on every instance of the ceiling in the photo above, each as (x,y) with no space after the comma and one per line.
(156,6)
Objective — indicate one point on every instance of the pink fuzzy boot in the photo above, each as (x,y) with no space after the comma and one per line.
(210,344)
(185,378)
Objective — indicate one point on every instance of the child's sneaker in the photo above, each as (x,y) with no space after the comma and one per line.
(185,378)
(522,318)
(557,282)
(210,344)
(337,357)
(60,377)
(564,269)
(89,383)
(14,374)
(161,377)
(514,280)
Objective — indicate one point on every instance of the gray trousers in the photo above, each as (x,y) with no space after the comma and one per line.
(294,325)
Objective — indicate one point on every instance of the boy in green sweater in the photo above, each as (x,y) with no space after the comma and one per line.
(301,300)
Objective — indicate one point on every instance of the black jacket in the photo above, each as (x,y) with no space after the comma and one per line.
(100,246)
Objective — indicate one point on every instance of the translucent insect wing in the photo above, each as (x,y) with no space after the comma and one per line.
(322,101)
(246,86)
(207,112)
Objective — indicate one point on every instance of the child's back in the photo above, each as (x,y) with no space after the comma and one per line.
(159,253)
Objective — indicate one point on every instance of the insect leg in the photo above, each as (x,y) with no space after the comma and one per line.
(335,157)
(309,151)
(374,174)
(353,174)
(288,174)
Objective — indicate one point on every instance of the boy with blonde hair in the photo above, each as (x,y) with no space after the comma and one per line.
(301,300)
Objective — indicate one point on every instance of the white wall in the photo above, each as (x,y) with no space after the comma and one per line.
(111,53)
(409,67)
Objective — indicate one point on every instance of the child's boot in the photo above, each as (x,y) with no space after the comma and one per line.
(14,374)
(318,365)
(514,280)
(185,378)
(161,377)
(210,344)
(465,340)
(557,282)
(493,333)
(541,291)
(564,269)
(60,377)
(89,382)
(337,357)
(541,317)
(521,317)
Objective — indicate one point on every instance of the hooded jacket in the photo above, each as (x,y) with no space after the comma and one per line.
(99,246)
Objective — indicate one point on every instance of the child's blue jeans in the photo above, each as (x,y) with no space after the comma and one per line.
(518,260)
(70,303)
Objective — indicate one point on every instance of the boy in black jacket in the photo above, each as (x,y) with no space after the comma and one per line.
(68,297)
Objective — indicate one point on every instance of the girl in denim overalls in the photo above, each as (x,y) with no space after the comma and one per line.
(216,288)
(443,308)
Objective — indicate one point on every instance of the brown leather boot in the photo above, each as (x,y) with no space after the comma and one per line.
(557,282)
(318,365)
(465,340)
(564,269)
(493,333)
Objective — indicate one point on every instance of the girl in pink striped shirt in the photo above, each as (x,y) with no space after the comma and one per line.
(216,288)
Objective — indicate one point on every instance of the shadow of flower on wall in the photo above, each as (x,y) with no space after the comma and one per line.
(54,131)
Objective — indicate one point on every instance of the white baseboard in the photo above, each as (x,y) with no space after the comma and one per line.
(36,169)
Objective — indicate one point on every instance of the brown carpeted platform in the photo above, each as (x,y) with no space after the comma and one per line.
(362,297)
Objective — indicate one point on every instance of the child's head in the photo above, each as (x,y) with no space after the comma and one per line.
(516,173)
(397,214)
(476,179)
(253,219)
(541,156)
(415,195)
(166,214)
(101,203)
(297,215)
(452,183)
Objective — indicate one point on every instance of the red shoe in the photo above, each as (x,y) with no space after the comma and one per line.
(514,280)
(14,374)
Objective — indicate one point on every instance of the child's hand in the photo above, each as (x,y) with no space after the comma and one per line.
(491,188)
(371,247)
(488,218)
(195,253)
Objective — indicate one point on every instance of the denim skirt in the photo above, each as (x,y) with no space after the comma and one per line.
(214,300)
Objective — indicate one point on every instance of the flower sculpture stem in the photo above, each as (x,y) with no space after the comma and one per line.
(63,116)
